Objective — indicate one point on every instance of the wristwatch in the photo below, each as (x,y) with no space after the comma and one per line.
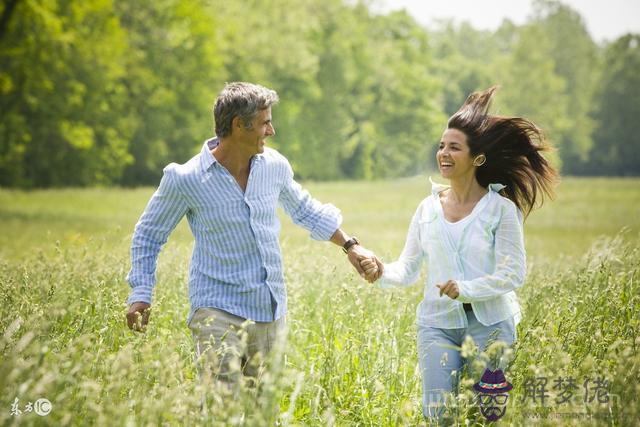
(352,241)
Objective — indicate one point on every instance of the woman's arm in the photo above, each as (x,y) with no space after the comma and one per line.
(510,262)
(406,269)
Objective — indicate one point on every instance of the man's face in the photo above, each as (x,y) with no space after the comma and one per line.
(253,139)
(493,406)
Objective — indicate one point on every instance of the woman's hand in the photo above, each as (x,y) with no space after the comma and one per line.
(449,289)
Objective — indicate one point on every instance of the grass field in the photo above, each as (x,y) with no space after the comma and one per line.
(351,356)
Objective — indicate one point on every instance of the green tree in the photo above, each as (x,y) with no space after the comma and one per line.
(105,92)
(273,43)
(173,70)
(575,58)
(408,112)
(464,58)
(530,86)
(617,147)
(357,99)
(376,106)
(60,64)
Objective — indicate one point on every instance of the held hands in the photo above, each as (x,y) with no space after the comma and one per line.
(138,316)
(372,268)
(366,263)
(449,289)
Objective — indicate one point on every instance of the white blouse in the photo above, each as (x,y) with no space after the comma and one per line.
(488,262)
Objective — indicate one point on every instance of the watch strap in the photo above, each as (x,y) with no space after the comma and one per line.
(351,242)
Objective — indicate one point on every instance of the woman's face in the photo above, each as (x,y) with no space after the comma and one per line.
(453,156)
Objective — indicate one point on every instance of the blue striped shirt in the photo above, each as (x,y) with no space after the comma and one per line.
(236,265)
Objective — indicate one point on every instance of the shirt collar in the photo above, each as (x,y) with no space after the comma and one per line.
(495,187)
(437,187)
(207,159)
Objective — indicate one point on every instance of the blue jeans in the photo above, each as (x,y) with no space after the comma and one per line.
(441,362)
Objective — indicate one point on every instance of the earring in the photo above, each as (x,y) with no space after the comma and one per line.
(480,160)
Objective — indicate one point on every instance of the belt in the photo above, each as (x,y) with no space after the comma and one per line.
(467,306)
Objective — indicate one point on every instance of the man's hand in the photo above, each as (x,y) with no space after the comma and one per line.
(138,316)
(373,269)
(449,289)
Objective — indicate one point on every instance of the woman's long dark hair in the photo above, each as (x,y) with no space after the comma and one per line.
(512,146)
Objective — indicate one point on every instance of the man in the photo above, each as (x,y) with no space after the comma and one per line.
(229,193)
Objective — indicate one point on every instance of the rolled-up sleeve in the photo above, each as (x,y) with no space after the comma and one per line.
(510,262)
(321,219)
(160,217)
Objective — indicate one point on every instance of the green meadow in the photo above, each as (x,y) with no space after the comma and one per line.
(350,357)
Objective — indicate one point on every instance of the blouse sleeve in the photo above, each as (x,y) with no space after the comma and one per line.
(510,262)
(406,269)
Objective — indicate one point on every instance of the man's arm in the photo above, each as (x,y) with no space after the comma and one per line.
(160,217)
(323,221)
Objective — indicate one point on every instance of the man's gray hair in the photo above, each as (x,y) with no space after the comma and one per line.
(243,100)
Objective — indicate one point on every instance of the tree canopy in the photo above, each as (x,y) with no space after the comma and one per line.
(103,92)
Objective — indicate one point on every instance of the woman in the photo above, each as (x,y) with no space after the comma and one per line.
(470,235)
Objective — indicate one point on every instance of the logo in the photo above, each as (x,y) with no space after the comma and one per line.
(493,394)
(42,407)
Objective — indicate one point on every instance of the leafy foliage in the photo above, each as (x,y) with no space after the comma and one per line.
(104,92)
(617,151)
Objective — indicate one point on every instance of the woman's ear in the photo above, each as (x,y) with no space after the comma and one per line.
(479,160)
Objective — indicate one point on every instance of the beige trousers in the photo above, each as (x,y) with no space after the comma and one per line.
(231,350)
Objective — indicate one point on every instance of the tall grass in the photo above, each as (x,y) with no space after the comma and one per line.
(350,355)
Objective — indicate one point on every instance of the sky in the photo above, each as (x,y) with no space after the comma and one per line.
(605,19)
